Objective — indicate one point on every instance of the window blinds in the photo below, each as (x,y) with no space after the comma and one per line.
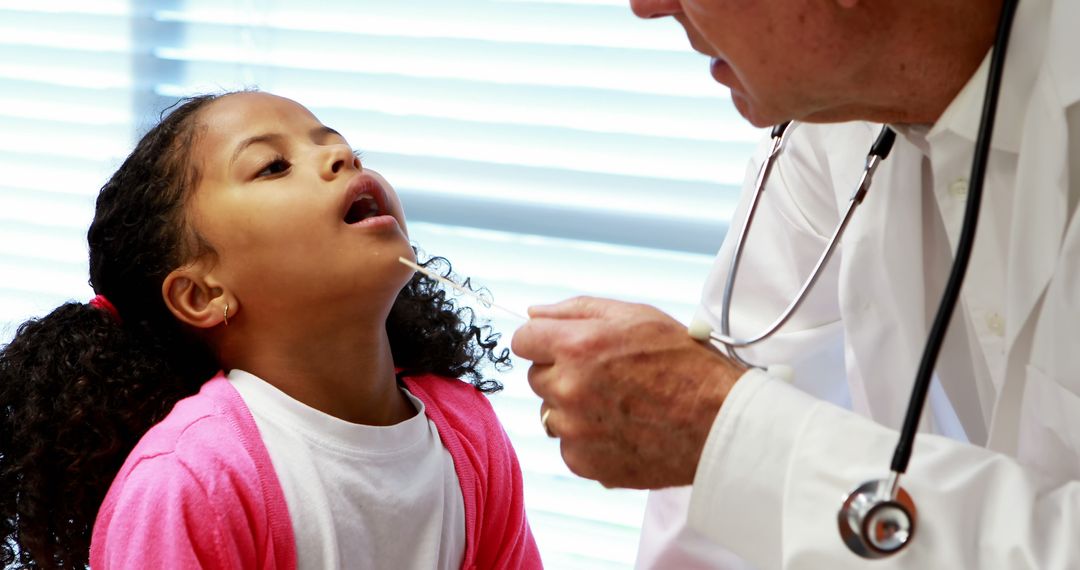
(547,148)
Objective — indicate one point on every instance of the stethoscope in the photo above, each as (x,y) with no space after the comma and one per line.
(878,518)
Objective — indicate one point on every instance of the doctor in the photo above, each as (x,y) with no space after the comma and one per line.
(637,403)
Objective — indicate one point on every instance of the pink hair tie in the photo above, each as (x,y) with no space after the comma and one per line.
(100,302)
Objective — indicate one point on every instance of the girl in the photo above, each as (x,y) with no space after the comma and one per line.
(243,235)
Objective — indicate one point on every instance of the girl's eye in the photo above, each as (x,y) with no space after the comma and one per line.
(276,166)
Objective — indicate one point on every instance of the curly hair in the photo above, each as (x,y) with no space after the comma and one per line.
(79,388)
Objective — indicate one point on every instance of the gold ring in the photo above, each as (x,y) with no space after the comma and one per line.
(543,421)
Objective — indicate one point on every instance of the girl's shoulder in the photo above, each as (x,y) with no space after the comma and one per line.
(200,476)
(208,440)
(204,477)
(487,470)
(202,431)
(463,416)
(454,399)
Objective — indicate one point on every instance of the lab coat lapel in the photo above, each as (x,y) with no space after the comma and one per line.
(1039,209)
(1064,44)
(1040,200)
(881,272)
(1040,214)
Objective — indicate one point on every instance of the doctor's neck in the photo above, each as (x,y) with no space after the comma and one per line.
(915,59)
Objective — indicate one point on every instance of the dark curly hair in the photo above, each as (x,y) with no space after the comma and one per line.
(78,388)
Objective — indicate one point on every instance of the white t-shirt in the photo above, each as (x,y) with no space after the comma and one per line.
(360,496)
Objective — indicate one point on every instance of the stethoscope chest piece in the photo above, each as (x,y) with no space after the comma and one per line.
(875,524)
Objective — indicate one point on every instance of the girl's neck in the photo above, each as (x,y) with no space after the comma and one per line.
(348,374)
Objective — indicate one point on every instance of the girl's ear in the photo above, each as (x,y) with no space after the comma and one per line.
(196,298)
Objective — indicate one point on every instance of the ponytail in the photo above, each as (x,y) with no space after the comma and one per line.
(77,391)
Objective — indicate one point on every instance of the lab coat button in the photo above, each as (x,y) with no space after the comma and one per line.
(959,187)
(996,324)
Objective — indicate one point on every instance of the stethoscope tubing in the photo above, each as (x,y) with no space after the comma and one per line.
(878,152)
(964,245)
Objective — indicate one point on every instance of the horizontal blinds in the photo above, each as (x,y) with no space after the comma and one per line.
(65,122)
(577,109)
(548,148)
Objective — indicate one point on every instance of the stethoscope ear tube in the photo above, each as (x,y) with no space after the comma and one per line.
(884,143)
(878,518)
(780,133)
(778,130)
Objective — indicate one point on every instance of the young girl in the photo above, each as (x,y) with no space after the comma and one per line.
(243,235)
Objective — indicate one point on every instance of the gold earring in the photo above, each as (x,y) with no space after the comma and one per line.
(226,314)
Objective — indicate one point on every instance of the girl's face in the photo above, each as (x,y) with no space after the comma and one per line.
(301,229)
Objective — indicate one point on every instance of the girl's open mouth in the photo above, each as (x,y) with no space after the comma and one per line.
(365,206)
(364,199)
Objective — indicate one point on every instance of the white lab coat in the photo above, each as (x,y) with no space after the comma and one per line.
(779,462)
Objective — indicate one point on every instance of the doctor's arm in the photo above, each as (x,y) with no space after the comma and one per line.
(635,405)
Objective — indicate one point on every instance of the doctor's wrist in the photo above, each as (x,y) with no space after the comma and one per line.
(717,382)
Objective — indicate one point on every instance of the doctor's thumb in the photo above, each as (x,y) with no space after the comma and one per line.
(574,308)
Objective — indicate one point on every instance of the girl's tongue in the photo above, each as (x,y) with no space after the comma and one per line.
(362,208)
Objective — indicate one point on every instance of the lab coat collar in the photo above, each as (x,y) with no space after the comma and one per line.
(914,134)
(1027,45)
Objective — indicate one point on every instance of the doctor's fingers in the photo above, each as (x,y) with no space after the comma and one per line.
(532,341)
(546,341)
(591,460)
(604,441)
(613,462)
(554,388)
(581,307)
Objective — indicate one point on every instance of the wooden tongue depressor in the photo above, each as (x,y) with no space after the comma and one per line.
(485,302)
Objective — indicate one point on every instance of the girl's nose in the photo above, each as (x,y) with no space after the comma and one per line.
(655,8)
(339,158)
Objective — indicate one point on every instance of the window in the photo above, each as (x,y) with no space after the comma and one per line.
(548,148)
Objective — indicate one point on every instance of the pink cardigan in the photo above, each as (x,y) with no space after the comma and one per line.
(199,491)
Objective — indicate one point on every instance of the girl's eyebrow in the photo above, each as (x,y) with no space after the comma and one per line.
(323,130)
(264,138)
(316,134)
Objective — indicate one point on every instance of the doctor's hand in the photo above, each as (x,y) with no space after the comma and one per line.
(626,390)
